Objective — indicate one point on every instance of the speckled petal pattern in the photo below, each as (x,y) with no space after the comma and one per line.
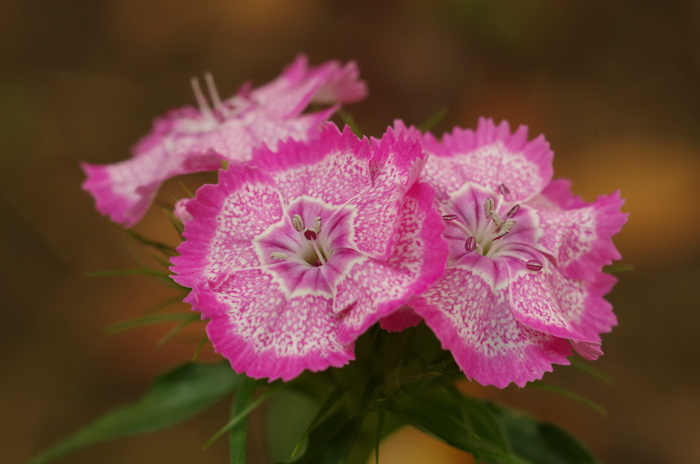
(475,322)
(376,288)
(489,156)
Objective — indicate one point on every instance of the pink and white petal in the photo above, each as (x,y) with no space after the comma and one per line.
(289,93)
(580,239)
(226,218)
(236,139)
(549,302)
(373,289)
(587,350)
(180,210)
(343,85)
(395,167)
(263,334)
(334,167)
(546,301)
(125,190)
(557,195)
(490,156)
(475,322)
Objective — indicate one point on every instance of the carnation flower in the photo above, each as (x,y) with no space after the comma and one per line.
(524,280)
(190,140)
(291,258)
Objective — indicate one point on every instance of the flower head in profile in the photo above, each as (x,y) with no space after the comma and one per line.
(198,139)
(291,258)
(524,281)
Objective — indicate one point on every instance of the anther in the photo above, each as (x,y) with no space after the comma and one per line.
(449,217)
(507,225)
(499,236)
(310,234)
(512,211)
(503,190)
(470,244)
(317,225)
(298,223)
(534,265)
(279,255)
(488,207)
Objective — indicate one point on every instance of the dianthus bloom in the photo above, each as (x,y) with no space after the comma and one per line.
(292,257)
(190,140)
(524,280)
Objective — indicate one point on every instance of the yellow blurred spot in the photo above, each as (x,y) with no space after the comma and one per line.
(409,445)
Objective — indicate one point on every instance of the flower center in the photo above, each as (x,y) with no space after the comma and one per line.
(485,225)
(311,248)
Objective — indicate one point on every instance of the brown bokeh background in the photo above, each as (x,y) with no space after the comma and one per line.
(614,86)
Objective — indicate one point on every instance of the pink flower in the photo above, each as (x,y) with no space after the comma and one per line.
(524,279)
(190,140)
(293,259)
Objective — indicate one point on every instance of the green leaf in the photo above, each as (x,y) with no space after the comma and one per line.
(173,397)
(349,120)
(490,432)
(239,418)
(433,120)
(238,437)
(541,442)
(152,319)
(569,394)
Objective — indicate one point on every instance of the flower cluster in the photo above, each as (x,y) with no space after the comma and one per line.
(313,234)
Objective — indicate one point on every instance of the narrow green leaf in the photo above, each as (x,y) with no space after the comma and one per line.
(177,329)
(349,120)
(120,272)
(152,319)
(160,275)
(569,394)
(433,120)
(328,406)
(166,249)
(590,370)
(618,268)
(239,418)
(199,348)
(173,397)
(238,438)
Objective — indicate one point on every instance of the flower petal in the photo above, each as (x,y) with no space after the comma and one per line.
(263,334)
(334,167)
(490,156)
(125,190)
(475,322)
(579,237)
(225,220)
(549,302)
(373,288)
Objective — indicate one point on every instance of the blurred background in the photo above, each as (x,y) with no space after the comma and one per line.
(614,86)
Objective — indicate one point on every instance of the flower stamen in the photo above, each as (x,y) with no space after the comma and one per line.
(213,92)
(202,102)
(298,223)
